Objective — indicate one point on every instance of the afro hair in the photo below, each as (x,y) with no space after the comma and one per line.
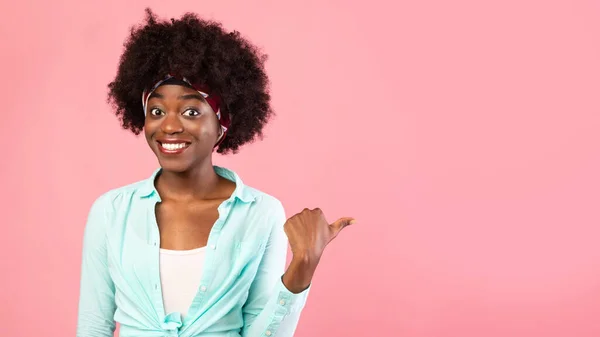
(204,52)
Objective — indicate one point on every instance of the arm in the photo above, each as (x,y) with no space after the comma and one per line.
(97,291)
(272,310)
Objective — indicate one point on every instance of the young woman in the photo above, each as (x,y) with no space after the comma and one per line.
(191,251)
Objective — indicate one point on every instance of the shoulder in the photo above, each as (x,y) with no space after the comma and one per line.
(265,203)
(111,199)
(249,194)
(263,213)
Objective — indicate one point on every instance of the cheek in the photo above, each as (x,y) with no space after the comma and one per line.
(209,128)
(208,131)
(148,131)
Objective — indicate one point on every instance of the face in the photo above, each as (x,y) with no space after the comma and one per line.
(181,128)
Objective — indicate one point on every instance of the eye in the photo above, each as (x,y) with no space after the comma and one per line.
(155,112)
(191,112)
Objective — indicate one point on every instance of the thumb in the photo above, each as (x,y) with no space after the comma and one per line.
(340,224)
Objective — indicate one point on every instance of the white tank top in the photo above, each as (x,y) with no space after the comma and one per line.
(180,277)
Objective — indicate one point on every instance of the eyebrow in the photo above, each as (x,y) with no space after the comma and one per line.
(182,97)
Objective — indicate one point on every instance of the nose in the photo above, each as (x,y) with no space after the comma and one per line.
(171,124)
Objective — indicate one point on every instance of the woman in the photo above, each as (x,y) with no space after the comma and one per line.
(192,251)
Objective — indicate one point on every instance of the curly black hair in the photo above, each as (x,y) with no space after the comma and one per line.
(204,52)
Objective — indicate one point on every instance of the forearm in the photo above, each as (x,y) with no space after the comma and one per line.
(299,273)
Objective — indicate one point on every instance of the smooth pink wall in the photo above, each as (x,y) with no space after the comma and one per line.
(463,135)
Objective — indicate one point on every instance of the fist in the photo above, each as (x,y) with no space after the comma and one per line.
(309,233)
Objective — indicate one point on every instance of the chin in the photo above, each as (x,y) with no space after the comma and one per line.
(176,166)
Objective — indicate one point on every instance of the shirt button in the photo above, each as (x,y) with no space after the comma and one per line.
(156,287)
(203,288)
(268,332)
(282,302)
(213,247)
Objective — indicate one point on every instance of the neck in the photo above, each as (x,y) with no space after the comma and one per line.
(198,183)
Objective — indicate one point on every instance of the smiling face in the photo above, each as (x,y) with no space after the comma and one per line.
(181,127)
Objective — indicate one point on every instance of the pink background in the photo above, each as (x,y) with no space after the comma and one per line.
(463,135)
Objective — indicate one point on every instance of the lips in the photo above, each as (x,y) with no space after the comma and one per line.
(173,146)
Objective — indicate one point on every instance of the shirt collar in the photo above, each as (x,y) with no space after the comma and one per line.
(242,192)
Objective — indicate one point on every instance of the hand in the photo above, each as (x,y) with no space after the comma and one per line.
(308,234)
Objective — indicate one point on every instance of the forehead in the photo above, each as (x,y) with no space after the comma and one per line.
(174,90)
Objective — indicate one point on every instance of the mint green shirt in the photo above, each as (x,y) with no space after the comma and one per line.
(241,292)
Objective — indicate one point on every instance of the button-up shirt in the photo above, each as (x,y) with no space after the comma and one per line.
(241,291)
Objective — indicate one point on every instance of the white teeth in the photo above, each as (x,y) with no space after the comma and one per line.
(172,147)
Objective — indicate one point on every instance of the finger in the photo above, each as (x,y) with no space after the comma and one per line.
(341,223)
